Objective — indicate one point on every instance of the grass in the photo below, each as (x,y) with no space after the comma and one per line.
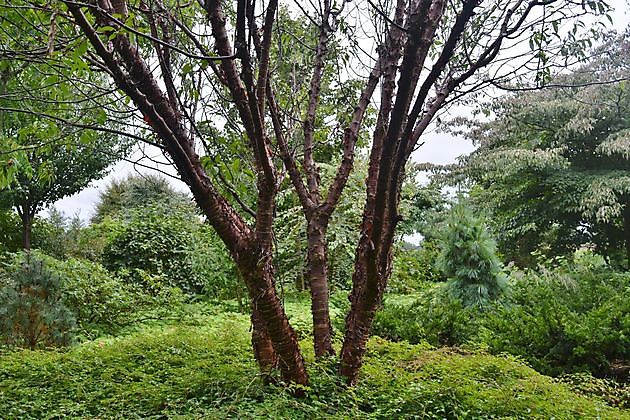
(203,368)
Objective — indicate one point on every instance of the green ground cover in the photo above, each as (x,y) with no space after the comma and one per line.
(202,367)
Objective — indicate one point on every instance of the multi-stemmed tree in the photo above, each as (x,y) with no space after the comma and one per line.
(196,72)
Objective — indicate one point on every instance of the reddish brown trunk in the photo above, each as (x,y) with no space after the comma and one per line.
(317,274)
(369,281)
(264,353)
(271,321)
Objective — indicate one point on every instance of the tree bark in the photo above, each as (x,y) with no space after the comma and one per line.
(270,322)
(27,228)
(317,274)
(263,347)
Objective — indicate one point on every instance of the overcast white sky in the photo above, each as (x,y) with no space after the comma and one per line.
(439,148)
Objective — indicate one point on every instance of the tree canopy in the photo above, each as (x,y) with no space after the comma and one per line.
(552,166)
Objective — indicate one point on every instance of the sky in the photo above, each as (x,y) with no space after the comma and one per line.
(439,148)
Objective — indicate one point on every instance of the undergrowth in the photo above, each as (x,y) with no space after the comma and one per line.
(203,368)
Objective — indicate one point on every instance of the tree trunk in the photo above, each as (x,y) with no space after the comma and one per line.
(367,293)
(271,328)
(27,227)
(317,275)
(264,352)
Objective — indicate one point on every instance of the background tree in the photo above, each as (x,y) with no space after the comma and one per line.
(51,159)
(469,261)
(552,167)
(136,192)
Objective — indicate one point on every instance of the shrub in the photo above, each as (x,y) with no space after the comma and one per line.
(172,249)
(569,319)
(32,312)
(566,320)
(414,269)
(469,261)
(101,302)
(158,245)
(434,316)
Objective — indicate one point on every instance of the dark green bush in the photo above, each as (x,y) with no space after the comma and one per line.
(101,302)
(434,316)
(32,311)
(174,250)
(569,319)
(565,320)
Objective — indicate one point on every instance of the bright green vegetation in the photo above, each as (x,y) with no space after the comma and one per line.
(573,318)
(202,367)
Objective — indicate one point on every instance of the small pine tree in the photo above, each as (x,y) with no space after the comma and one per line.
(32,313)
(469,261)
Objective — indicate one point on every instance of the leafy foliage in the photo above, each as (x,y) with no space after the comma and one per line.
(32,312)
(198,370)
(414,268)
(120,198)
(552,167)
(180,251)
(572,318)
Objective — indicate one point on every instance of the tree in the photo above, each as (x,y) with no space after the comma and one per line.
(48,159)
(552,166)
(469,261)
(56,174)
(137,192)
(455,43)
(427,52)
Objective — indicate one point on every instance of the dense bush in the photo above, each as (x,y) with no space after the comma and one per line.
(32,311)
(100,303)
(175,248)
(413,269)
(434,316)
(566,320)
(572,318)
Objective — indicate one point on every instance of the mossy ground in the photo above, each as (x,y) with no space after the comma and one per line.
(203,368)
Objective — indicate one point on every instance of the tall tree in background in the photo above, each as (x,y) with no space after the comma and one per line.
(552,167)
(48,159)
(177,65)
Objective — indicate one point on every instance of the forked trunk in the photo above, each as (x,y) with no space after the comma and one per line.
(317,275)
